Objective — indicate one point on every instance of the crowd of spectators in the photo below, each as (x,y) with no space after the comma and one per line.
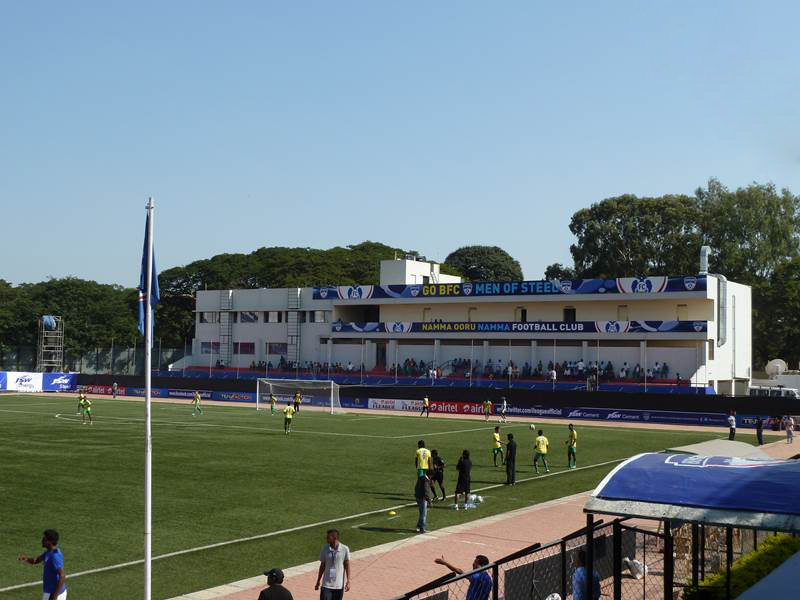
(568,370)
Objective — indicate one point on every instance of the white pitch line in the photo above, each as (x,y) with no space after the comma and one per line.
(293,529)
(189,424)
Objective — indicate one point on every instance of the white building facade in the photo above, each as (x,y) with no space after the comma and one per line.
(699,325)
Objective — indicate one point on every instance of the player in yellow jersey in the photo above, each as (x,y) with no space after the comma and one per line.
(288,413)
(540,445)
(422,459)
(572,446)
(86,405)
(272,402)
(426,407)
(196,402)
(487,409)
(298,398)
(497,447)
(80,403)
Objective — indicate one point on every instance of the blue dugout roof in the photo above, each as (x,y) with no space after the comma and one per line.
(718,490)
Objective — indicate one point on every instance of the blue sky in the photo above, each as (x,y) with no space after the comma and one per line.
(422,125)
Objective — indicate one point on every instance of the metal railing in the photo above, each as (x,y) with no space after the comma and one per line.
(532,573)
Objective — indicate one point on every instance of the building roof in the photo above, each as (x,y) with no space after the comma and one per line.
(715,490)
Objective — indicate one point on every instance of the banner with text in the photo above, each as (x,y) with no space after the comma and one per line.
(620,285)
(603,327)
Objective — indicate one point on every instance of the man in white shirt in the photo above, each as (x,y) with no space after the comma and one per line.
(732,425)
(334,568)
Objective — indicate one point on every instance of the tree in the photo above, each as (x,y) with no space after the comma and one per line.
(484,263)
(751,231)
(776,316)
(629,236)
(559,271)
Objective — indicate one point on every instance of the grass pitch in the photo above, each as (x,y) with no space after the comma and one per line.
(232,473)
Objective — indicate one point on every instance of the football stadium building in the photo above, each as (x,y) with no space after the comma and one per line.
(683,331)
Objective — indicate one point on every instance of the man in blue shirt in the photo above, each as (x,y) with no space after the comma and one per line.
(480,583)
(54,584)
(579,580)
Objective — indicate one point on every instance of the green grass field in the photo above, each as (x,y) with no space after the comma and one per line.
(232,474)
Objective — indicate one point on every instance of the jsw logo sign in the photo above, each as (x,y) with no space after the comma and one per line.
(63,380)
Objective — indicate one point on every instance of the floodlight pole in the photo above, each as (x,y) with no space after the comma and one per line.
(148,449)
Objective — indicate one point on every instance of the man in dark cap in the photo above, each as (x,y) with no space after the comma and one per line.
(275,589)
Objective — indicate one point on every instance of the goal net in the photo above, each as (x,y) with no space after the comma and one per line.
(313,393)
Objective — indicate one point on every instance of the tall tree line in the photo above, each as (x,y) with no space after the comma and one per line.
(753,231)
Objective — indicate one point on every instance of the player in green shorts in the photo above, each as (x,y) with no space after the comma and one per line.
(572,445)
(272,401)
(487,409)
(80,403)
(541,444)
(288,413)
(196,401)
(87,410)
(497,447)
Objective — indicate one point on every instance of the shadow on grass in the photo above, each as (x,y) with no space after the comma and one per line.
(388,529)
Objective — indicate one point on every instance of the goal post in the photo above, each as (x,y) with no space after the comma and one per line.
(313,393)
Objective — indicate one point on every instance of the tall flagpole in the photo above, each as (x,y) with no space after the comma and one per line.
(148,449)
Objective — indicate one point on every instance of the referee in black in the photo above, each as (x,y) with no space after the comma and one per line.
(511,460)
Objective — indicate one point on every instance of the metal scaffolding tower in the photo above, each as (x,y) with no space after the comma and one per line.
(50,354)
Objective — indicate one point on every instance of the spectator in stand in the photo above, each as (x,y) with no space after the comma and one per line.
(649,374)
(480,583)
(657,369)
(580,580)
(553,376)
(275,589)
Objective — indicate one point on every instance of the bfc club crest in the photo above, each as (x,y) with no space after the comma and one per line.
(467,289)
(689,283)
(414,291)
(565,285)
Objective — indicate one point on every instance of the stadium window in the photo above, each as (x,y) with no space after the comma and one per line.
(569,314)
(209,347)
(209,317)
(273,316)
(301,316)
(520,314)
(683,312)
(471,312)
(248,316)
(244,348)
(317,316)
(426,315)
(622,312)
(710,349)
(234,317)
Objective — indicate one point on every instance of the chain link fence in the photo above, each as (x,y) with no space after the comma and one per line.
(533,573)
(632,562)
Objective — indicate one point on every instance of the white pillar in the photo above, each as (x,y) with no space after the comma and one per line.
(534,360)
(437,353)
(370,355)
(485,355)
(329,351)
(585,352)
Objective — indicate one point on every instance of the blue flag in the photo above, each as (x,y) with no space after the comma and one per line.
(155,294)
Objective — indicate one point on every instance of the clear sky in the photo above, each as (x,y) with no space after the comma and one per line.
(426,126)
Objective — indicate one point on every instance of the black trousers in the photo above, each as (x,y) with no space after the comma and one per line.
(731,433)
(511,471)
(760,436)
